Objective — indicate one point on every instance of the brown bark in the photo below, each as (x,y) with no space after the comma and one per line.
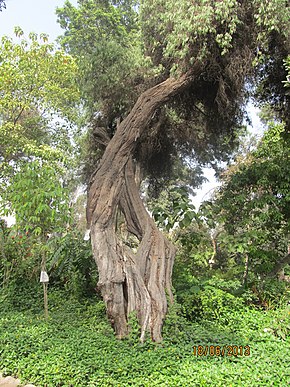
(131,281)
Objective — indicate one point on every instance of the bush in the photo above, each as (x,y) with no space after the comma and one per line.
(71,264)
(271,292)
(19,264)
(210,299)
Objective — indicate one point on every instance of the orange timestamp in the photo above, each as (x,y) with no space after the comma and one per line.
(221,350)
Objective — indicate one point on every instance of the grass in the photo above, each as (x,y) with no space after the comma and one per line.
(77,347)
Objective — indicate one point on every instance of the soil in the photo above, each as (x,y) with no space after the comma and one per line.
(9,381)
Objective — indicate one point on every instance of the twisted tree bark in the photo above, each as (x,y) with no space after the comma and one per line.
(131,281)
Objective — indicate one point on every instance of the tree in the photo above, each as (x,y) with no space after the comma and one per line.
(38,99)
(37,105)
(37,198)
(254,204)
(37,111)
(178,90)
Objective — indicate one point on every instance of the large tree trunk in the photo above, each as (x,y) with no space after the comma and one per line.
(130,281)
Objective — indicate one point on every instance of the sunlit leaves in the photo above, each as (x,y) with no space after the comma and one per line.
(186,31)
(37,84)
(37,198)
(173,209)
(272,15)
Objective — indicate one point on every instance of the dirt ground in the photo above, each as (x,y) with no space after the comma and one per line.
(9,381)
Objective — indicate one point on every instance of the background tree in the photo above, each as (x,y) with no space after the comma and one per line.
(38,97)
(253,203)
(180,95)
(37,113)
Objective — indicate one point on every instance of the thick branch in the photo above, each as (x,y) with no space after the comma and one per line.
(122,145)
(280,265)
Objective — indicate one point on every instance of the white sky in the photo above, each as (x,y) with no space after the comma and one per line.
(32,16)
(39,16)
(208,188)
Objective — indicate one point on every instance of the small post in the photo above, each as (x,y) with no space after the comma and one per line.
(44,279)
(45,300)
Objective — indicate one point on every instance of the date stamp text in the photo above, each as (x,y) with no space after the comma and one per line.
(221,350)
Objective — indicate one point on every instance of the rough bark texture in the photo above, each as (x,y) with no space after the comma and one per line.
(130,281)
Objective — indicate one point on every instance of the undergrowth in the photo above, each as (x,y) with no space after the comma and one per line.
(76,347)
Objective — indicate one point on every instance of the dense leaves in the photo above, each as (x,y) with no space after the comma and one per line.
(123,49)
(77,347)
(37,90)
(37,198)
(102,36)
(252,208)
(37,110)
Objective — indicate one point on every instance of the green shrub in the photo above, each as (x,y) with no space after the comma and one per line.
(210,299)
(271,292)
(71,265)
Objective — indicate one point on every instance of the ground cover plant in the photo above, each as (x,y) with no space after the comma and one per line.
(140,98)
(77,347)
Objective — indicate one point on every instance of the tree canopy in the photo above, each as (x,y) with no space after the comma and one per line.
(39,95)
(124,48)
(253,202)
(38,90)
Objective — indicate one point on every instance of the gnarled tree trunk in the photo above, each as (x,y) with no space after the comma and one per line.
(131,281)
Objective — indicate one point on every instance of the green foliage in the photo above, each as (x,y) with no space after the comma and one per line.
(19,264)
(182,36)
(76,346)
(209,299)
(102,36)
(133,337)
(37,198)
(173,209)
(123,49)
(37,86)
(254,204)
(178,36)
(71,265)
(175,324)
(271,292)
(37,107)
(13,248)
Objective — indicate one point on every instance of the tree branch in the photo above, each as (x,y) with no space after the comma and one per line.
(280,265)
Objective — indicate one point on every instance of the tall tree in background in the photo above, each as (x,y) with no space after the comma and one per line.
(163,82)
(37,109)
(37,105)
(254,202)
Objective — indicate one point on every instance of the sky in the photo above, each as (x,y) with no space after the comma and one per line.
(39,16)
(32,16)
